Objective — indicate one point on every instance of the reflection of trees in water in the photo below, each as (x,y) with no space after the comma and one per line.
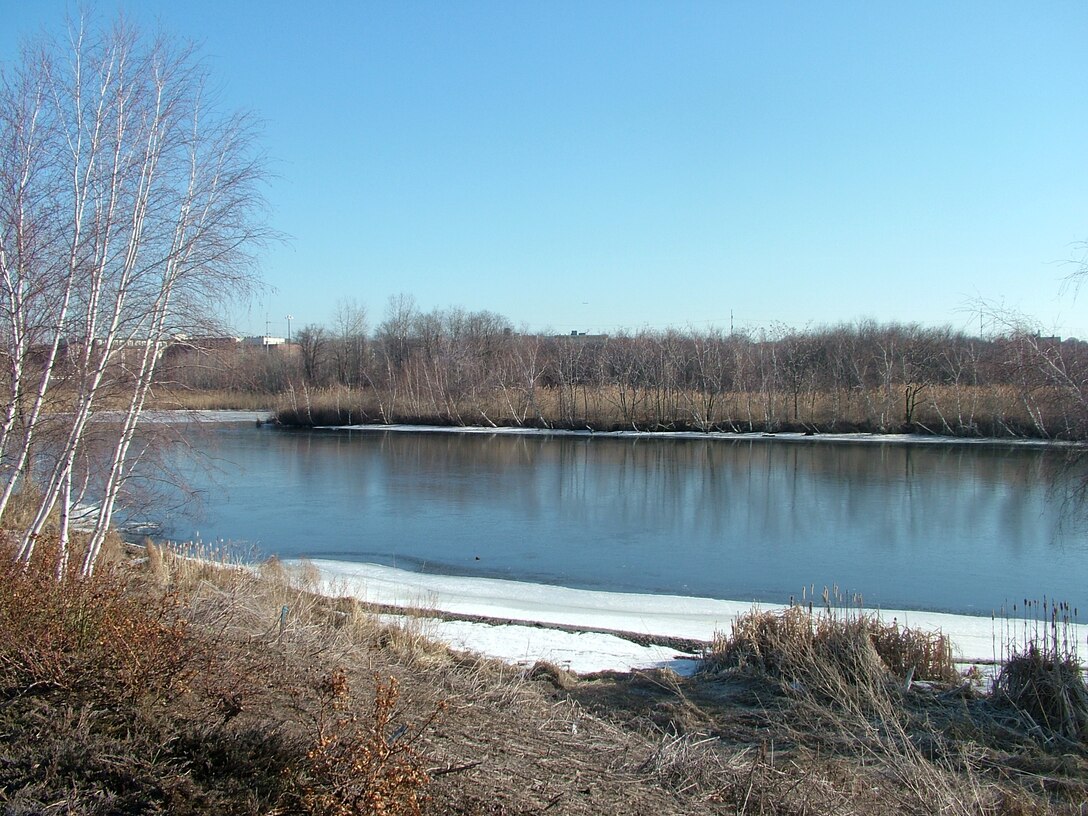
(168,460)
(756,517)
(886,496)
(1066,480)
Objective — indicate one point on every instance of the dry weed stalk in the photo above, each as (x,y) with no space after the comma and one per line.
(1044,679)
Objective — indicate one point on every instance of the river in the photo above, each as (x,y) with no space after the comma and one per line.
(945,527)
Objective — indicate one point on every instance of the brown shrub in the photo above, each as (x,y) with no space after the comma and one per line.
(117,697)
(72,632)
(362,765)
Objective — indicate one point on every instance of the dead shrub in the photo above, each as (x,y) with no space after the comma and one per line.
(362,765)
(71,632)
(147,679)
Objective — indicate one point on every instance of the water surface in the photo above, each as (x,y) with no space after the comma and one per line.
(939,527)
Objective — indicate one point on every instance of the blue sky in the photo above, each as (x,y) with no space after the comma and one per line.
(594,166)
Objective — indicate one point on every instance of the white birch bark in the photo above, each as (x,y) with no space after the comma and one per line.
(159,216)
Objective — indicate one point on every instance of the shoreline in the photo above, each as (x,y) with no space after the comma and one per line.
(726,436)
(268,418)
(463,608)
(502,615)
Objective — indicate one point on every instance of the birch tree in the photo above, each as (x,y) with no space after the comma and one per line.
(131,207)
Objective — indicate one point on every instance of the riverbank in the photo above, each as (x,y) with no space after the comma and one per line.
(270,417)
(589,631)
(215,688)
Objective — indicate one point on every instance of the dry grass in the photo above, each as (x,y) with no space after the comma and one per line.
(958,411)
(756,780)
(801,647)
(285,604)
(1044,680)
(843,694)
(250,693)
(914,653)
(1048,688)
(166,399)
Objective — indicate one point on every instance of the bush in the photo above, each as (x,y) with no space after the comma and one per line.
(821,650)
(82,634)
(115,698)
(362,765)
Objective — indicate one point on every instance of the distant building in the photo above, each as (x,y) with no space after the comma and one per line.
(264,340)
(582,337)
(182,344)
(205,342)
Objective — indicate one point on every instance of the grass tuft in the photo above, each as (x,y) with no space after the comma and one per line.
(1047,685)
(826,651)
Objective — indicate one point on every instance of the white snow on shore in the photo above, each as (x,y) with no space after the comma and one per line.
(581,652)
(975,640)
(184,416)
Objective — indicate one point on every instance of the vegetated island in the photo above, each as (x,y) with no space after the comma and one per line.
(456,368)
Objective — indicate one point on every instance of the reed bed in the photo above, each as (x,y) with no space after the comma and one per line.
(221,399)
(846,680)
(1043,679)
(953,411)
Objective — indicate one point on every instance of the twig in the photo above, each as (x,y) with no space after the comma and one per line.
(553,802)
(454,769)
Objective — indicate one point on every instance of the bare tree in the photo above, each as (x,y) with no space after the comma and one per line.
(136,210)
(313,343)
(350,351)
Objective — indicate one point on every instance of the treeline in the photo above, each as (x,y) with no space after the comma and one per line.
(472,368)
